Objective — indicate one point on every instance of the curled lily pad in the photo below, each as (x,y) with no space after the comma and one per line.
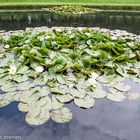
(64,98)
(61,115)
(87,102)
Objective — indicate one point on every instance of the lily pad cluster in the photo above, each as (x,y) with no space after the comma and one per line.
(45,68)
(70,9)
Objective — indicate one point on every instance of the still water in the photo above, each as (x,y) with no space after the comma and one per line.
(107,120)
(129,21)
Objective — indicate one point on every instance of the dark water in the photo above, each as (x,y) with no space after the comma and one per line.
(106,121)
(129,21)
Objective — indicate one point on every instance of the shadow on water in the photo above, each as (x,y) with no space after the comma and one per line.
(106,121)
(112,20)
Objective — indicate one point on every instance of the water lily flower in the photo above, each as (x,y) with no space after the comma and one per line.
(12,70)
(7,46)
(39,69)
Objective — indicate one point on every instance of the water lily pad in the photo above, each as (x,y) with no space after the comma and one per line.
(35,118)
(77,93)
(20,78)
(122,87)
(23,70)
(61,115)
(55,103)
(44,91)
(64,98)
(23,107)
(115,95)
(8,88)
(61,79)
(87,102)
(25,85)
(99,92)
(62,89)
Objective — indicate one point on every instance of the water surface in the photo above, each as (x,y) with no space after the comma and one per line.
(107,120)
(112,20)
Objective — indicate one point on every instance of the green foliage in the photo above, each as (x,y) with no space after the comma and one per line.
(44,69)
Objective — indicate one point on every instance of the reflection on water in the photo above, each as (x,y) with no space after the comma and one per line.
(106,121)
(112,20)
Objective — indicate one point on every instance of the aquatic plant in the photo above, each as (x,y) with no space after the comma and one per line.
(70,10)
(45,68)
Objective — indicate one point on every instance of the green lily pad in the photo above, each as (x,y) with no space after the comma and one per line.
(77,93)
(122,87)
(61,115)
(36,117)
(64,98)
(115,95)
(5,100)
(8,88)
(55,103)
(23,107)
(99,92)
(87,102)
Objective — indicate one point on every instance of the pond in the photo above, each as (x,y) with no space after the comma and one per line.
(107,120)
(129,21)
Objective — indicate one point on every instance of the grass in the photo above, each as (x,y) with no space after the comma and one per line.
(72,2)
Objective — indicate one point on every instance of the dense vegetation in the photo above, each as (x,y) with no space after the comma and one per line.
(45,68)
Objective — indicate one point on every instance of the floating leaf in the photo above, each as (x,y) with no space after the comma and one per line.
(24,107)
(23,70)
(99,92)
(55,103)
(122,87)
(115,95)
(87,102)
(77,93)
(61,115)
(64,98)
(20,78)
(36,117)
(8,88)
